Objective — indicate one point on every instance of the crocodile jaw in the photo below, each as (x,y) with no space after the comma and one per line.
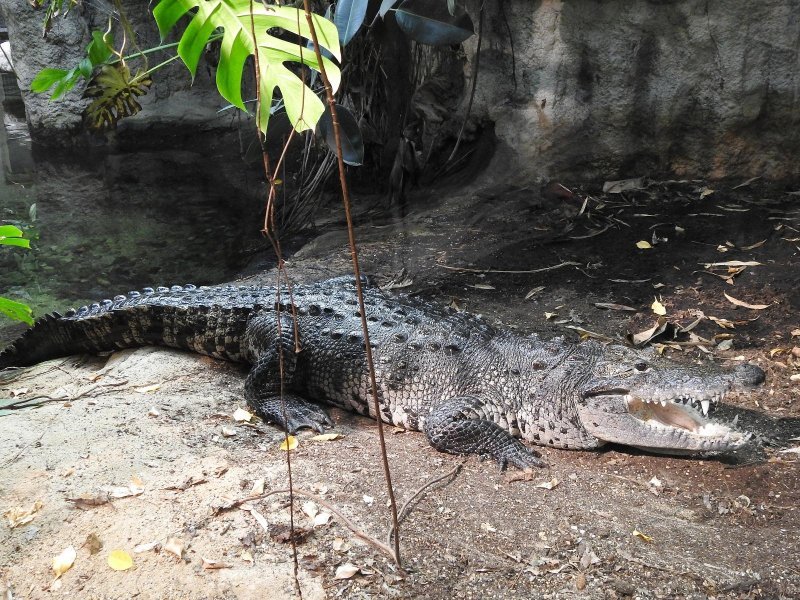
(677,426)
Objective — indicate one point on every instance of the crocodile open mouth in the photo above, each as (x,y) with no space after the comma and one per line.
(682,412)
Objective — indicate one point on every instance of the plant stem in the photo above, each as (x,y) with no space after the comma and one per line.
(357,272)
(151,69)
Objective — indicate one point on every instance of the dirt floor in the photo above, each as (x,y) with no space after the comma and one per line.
(140,452)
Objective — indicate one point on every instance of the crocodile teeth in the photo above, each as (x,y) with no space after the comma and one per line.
(705,404)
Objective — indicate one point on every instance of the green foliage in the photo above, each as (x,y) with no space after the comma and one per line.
(303,107)
(114,92)
(54,8)
(16,310)
(11,235)
(99,51)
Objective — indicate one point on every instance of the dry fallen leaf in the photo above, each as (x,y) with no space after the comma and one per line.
(228,431)
(724,323)
(87,501)
(146,547)
(209,564)
(242,415)
(246,556)
(292,443)
(745,304)
(310,509)
(17,515)
(623,185)
(325,437)
(732,263)
(613,306)
(548,485)
(706,191)
(642,536)
(64,561)
(346,571)
(488,527)
(148,388)
(119,560)
(153,412)
(658,308)
(550,315)
(533,292)
(93,543)
(580,582)
(322,519)
(483,286)
(258,487)
(174,546)
(643,245)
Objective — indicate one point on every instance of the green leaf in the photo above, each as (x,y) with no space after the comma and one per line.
(16,310)
(303,107)
(431,23)
(349,17)
(47,78)
(100,49)
(10,231)
(12,236)
(19,242)
(114,92)
(66,84)
(85,68)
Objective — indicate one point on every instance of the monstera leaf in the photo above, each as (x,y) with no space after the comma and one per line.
(238,24)
(114,92)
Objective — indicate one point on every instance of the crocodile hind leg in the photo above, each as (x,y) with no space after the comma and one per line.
(262,388)
(458,426)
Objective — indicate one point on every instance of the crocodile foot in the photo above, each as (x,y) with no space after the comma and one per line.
(292,414)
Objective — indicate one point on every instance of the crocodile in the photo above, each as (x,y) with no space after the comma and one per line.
(469,386)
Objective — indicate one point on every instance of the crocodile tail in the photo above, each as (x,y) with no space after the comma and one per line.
(53,336)
(141,320)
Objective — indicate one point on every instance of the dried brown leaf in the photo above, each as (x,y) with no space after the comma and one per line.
(175,546)
(745,304)
(17,515)
(346,571)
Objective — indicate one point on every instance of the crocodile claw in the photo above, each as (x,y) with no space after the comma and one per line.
(293,413)
(521,457)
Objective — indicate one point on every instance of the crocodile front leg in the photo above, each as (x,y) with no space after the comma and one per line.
(262,388)
(458,426)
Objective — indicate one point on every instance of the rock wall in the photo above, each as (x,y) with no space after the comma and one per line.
(581,89)
(614,88)
(174,101)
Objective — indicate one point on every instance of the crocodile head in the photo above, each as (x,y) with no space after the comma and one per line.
(639,399)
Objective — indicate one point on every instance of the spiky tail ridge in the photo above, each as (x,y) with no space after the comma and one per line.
(205,320)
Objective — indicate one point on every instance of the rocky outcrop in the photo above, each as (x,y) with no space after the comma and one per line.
(581,89)
(174,101)
(604,89)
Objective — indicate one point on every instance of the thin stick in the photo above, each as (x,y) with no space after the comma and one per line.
(386,549)
(277,248)
(568,263)
(357,273)
(451,473)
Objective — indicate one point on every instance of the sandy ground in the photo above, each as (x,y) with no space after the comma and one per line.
(140,452)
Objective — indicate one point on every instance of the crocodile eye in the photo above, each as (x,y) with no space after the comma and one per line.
(641,366)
